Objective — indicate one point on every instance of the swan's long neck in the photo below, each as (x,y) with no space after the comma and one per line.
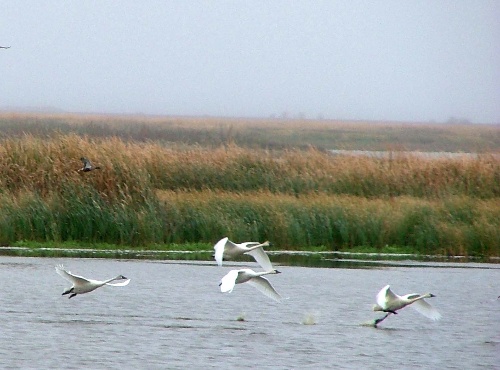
(414,299)
(110,280)
(265,244)
(261,273)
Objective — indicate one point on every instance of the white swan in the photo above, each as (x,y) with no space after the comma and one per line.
(226,248)
(251,277)
(82,285)
(388,301)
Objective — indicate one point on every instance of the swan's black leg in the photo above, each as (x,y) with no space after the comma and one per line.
(394,312)
(378,321)
(72,295)
(68,291)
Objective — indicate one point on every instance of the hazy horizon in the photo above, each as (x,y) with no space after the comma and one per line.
(420,61)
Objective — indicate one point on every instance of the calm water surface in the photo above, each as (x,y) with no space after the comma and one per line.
(173,316)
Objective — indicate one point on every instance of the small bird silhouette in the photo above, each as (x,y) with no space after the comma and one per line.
(4,47)
(87,166)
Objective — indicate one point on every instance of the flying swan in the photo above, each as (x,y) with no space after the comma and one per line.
(225,248)
(82,285)
(389,302)
(251,277)
(87,165)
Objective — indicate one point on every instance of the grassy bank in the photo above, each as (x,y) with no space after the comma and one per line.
(452,226)
(147,194)
(151,195)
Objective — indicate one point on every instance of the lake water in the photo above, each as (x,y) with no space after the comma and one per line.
(402,153)
(173,316)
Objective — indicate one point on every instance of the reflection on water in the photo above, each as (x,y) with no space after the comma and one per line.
(293,258)
(172,315)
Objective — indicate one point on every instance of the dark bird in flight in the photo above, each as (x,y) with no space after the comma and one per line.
(4,47)
(87,166)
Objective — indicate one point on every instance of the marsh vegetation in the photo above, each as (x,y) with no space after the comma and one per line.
(193,180)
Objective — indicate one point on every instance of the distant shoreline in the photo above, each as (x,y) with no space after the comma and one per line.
(207,255)
(420,154)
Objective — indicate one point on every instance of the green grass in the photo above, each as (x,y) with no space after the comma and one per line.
(313,222)
(152,196)
(194,247)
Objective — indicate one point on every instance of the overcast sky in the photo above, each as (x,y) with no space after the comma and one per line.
(375,60)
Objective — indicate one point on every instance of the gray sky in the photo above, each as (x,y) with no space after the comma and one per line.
(376,60)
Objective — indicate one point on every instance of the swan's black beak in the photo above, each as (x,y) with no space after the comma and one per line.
(432,295)
(278,272)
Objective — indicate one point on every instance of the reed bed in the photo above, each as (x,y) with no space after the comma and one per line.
(147,193)
(260,133)
(454,226)
(42,165)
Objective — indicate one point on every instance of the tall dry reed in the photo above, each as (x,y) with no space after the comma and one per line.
(148,193)
(41,164)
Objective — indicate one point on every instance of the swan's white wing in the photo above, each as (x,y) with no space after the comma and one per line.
(233,247)
(75,279)
(386,296)
(262,258)
(219,250)
(228,281)
(424,308)
(230,244)
(265,287)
